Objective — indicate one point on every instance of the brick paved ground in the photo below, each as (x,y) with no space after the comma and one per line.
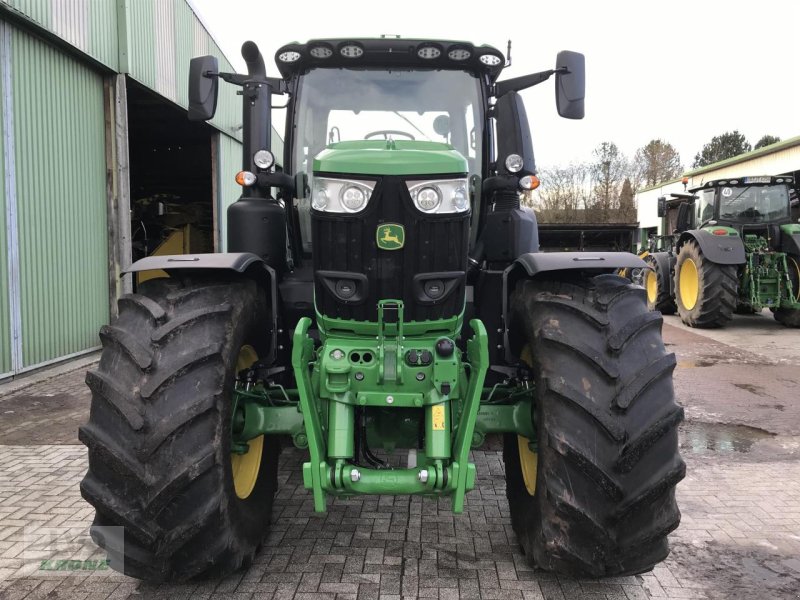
(739,538)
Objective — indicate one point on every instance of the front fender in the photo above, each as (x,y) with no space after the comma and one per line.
(231,261)
(720,249)
(245,264)
(534,264)
(790,240)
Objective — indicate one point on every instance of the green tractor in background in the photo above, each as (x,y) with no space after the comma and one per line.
(383,304)
(733,248)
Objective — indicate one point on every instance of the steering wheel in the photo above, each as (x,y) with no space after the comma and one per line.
(387,132)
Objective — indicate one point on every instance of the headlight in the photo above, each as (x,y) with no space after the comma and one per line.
(263,159)
(440,196)
(514,163)
(427,198)
(340,195)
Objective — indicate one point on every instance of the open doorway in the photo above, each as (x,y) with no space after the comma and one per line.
(171,179)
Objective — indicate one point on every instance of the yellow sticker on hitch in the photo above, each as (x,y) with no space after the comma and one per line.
(437,417)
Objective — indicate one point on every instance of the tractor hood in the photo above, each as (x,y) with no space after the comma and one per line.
(390,157)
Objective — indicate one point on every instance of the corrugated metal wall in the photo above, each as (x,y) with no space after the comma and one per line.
(61,298)
(5,330)
(164,36)
(61,200)
(229,163)
(89,25)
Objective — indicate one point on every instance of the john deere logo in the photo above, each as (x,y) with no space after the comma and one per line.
(390,236)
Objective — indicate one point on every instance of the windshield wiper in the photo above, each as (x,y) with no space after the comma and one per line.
(407,120)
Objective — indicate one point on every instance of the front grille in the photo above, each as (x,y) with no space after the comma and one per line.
(345,249)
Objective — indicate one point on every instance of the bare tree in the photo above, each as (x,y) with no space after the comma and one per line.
(655,162)
(564,194)
(609,169)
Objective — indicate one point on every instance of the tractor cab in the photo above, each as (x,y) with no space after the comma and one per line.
(743,202)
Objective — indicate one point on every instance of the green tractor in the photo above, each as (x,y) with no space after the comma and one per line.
(383,306)
(734,248)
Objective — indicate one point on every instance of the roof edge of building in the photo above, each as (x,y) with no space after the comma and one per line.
(776,147)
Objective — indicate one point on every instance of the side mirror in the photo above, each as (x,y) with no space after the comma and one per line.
(203,88)
(662,206)
(513,134)
(570,85)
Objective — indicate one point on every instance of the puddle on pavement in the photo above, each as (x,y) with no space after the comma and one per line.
(707,438)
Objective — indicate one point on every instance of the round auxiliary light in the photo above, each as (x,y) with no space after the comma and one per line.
(429,52)
(433,288)
(529,182)
(346,288)
(428,198)
(459,54)
(319,199)
(460,199)
(263,159)
(321,52)
(245,178)
(490,60)
(514,163)
(289,56)
(351,51)
(337,354)
(353,198)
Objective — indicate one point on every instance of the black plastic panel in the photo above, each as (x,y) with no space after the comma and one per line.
(435,244)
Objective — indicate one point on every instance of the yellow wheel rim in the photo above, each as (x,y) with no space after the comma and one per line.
(651,285)
(245,466)
(528,459)
(529,463)
(796,280)
(689,283)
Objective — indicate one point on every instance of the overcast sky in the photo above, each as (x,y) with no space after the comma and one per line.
(683,71)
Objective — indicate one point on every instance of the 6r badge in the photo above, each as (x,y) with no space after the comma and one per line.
(390,236)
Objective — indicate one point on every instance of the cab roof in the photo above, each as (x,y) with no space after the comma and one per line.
(749,180)
(389,52)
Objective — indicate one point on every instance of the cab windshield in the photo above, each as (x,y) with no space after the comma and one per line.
(336,105)
(754,204)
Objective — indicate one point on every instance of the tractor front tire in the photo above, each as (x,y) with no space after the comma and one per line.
(606,460)
(705,292)
(159,431)
(656,284)
(790,317)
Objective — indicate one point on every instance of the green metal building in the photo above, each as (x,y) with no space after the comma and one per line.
(92,121)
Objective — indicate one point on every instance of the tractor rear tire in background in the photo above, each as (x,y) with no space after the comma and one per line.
(790,317)
(596,497)
(159,431)
(705,292)
(656,284)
